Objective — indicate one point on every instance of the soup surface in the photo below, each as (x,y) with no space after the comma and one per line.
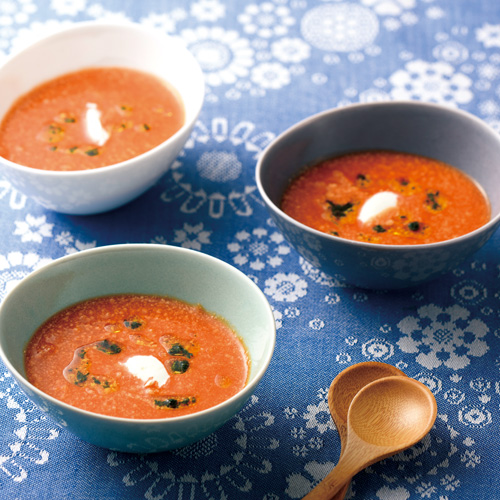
(137,356)
(387,197)
(90,119)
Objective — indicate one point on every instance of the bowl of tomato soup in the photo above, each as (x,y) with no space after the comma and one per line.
(137,347)
(101,120)
(384,195)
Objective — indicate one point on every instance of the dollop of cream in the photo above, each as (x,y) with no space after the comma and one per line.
(93,126)
(148,368)
(377,204)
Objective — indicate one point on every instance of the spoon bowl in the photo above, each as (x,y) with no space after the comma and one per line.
(392,413)
(342,391)
(348,383)
(385,417)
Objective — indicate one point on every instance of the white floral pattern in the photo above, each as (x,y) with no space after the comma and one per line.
(27,436)
(432,82)
(443,337)
(15,266)
(221,165)
(232,475)
(259,249)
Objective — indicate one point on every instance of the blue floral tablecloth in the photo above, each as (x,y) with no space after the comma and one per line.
(268,65)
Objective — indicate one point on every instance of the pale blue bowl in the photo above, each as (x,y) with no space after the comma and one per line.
(455,137)
(138,268)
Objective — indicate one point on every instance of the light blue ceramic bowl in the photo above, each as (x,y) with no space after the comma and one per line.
(439,132)
(138,268)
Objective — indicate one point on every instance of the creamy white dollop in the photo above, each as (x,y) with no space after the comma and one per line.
(93,126)
(148,368)
(377,204)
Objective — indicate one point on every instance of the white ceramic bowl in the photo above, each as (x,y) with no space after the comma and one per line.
(440,132)
(138,268)
(95,44)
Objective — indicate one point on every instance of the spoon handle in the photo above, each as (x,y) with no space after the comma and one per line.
(335,481)
(340,495)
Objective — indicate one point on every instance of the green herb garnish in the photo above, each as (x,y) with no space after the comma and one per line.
(55,130)
(179,365)
(179,350)
(338,210)
(174,402)
(414,226)
(81,377)
(107,347)
(92,152)
(167,403)
(432,200)
(132,324)
(379,229)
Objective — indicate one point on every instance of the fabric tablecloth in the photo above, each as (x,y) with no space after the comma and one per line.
(268,65)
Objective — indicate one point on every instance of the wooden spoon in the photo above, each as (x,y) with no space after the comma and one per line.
(386,416)
(342,391)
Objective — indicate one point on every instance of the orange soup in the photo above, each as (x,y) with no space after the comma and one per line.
(90,119)
(387,197)
(137,356)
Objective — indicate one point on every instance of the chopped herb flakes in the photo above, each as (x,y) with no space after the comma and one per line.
(104,385)
(339,211)
(107,347)
(179,365)
(362,180)
(379,229)
(65,118)
(92,152)
(78,371)
(175,402)
(81,377)
(179,350)
(415,226)
(432,201)
(54,133)
(132,324)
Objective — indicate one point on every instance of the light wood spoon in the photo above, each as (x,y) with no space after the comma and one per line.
(385,417)
(342,391)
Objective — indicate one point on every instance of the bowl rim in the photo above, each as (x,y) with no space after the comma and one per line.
(243,394)
(494,220)
(94,25)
